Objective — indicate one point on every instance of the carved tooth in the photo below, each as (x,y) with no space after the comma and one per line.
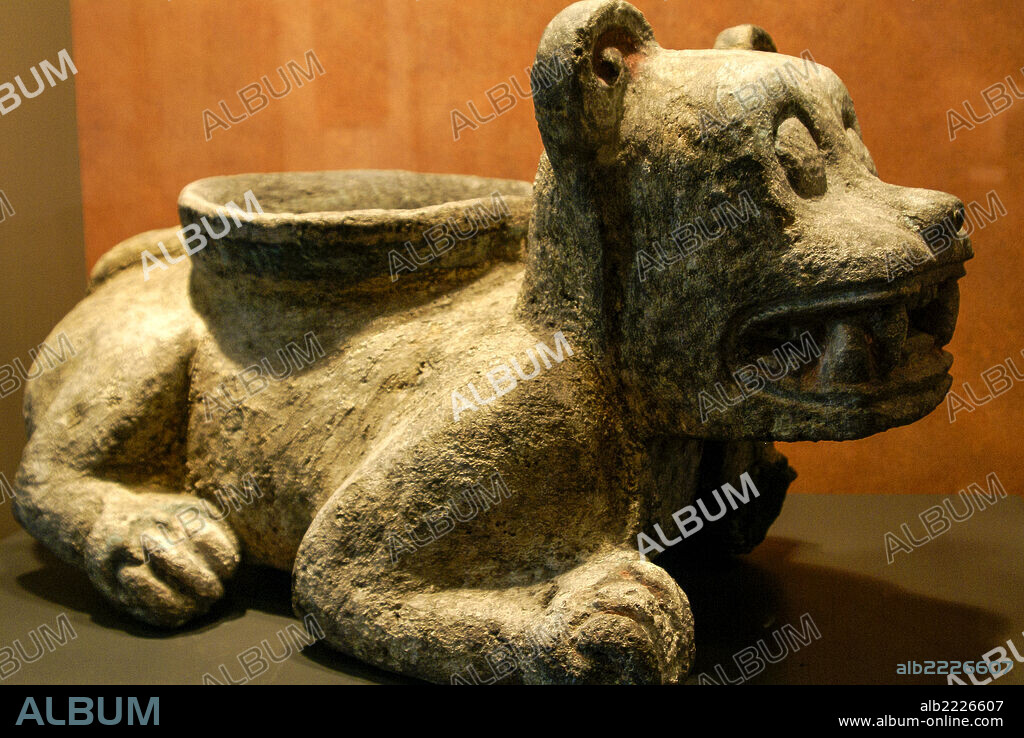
(889,331)
(918,299)
(939,318)
(847,358)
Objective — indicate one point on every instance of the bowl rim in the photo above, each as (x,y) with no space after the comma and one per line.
(194,204)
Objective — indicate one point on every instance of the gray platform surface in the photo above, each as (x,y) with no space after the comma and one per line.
(954,598)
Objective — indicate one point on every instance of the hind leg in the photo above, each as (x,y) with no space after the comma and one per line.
(102,474)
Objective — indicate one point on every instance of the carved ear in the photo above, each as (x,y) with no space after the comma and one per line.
(585,61)
(753,38)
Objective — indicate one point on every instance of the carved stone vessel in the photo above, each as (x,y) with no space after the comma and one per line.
(458,409)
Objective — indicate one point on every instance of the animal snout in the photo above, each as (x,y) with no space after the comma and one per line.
(940,221)
(949,226)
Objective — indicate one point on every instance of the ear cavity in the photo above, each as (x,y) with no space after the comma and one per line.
(613,51)
(752,38)
(587,57)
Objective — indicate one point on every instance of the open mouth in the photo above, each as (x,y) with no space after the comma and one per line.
(857,347)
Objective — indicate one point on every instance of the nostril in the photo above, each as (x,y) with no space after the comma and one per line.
(959,218)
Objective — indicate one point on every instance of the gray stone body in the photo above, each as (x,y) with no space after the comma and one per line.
(455,444)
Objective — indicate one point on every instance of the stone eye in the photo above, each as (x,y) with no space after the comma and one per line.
(800,157)
(861,150)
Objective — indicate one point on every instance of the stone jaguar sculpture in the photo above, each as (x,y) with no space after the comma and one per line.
(456,409)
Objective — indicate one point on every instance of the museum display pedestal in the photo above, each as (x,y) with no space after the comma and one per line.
(953,598)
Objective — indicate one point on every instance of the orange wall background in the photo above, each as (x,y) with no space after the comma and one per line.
(395,69)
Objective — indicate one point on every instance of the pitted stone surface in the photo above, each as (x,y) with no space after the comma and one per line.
(452,406)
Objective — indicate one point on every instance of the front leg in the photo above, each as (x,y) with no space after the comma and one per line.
(618,619)
(444,615)
(543,584)
(739,530)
